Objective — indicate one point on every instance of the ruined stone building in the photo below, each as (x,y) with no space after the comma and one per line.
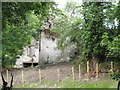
(49,52)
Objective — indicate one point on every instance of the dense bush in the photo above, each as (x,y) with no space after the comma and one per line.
(115,75)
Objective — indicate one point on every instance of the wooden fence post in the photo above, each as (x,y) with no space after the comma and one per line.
(73,73)
(58,75)
(97,70)
(7,75)
(22,77)
(40,78)
(111,66)
(88,69)
(79,72)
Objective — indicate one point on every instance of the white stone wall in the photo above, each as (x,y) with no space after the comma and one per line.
(28,53)
(49,52)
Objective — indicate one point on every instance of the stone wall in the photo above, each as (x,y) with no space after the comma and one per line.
(49,52)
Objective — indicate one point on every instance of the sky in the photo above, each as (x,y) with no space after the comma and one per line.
(62,3)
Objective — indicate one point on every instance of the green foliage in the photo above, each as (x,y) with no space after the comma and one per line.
(115,75)
(14,40)
(91,28)
(110,39)
(15,12)
(33,25)
(21,21)
(94,29)
(68,26)
(114,47)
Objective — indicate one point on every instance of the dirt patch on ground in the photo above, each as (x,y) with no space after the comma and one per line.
(32,74)
(48,73)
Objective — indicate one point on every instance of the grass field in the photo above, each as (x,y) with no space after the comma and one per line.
(96,83)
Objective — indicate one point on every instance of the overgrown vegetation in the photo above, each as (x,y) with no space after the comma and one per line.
(20,22)
(93,27)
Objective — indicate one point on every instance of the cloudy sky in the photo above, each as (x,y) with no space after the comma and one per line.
(62,3)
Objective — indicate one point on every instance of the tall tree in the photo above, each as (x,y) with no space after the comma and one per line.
(19,24)
(86,25)
(93,30)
